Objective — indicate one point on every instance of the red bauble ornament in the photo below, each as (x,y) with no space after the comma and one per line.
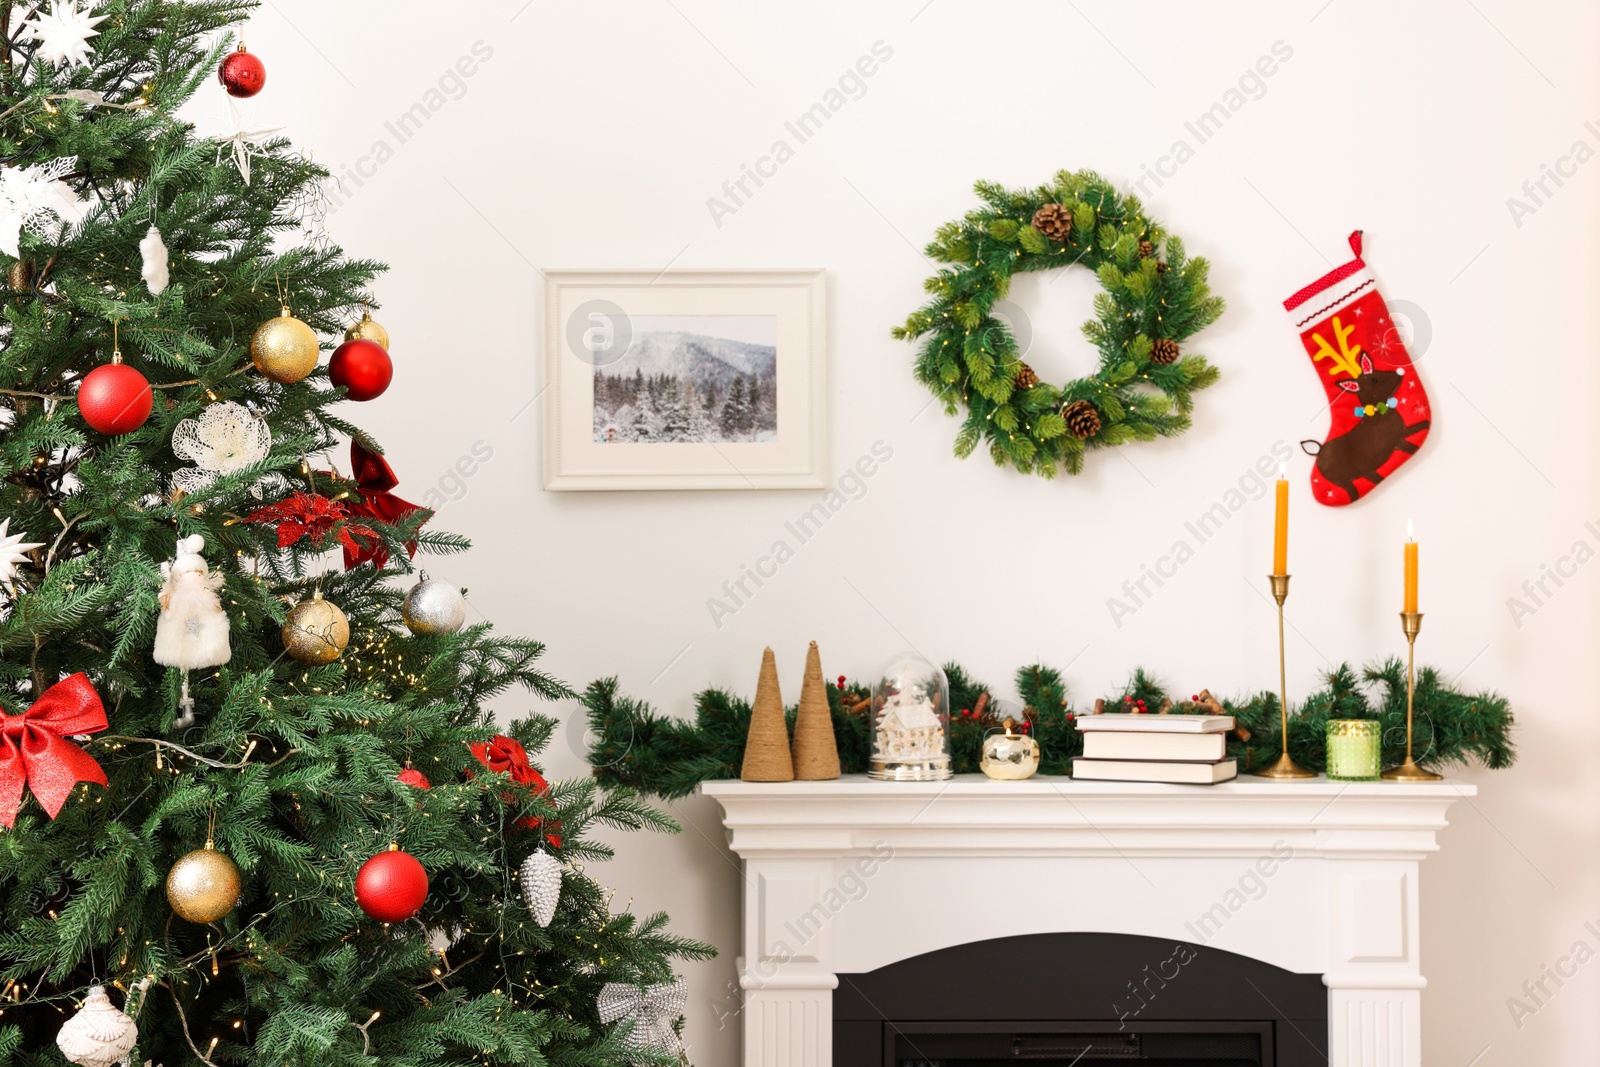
(362,367)
(115,399)
(414,778)
(242,74)
(391,886)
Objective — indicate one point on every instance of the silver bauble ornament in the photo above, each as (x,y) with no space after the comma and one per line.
(99,1035)
(433,607)
(541,885)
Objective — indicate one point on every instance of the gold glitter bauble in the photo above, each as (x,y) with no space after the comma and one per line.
(316,632)
(203,886)
(368,330)
(284,349)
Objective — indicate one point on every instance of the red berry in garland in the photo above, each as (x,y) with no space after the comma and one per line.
(391,886)
(114,398)
(242,74)
(362,367)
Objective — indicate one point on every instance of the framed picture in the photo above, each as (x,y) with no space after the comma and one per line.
(685,380)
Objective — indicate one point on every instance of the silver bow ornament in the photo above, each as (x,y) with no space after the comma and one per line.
(651,1008)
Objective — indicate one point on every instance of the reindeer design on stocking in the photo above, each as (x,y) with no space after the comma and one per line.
(1379,432)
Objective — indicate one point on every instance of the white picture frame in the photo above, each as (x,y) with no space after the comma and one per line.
(712,340)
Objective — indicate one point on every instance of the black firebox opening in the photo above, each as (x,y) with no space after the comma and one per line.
(1044,1044)
(1080,1000)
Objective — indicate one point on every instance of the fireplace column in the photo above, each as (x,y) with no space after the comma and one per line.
(786,973)
(1374,977)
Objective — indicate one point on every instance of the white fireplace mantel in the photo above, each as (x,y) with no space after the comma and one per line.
(1313,876)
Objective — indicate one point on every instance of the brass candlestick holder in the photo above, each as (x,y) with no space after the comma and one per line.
(1410,770)
(1284,767)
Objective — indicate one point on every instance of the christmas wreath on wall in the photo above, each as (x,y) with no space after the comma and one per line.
(1155,298)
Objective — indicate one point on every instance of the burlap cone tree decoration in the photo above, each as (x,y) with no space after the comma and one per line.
(766,748)
(816,754)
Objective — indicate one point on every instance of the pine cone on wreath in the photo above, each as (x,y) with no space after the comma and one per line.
(1054,221)
(1164,352)
(1161,266)
(1025,378)
(1083,421)
(1146,249)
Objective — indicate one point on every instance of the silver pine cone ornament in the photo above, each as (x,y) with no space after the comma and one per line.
(541,885)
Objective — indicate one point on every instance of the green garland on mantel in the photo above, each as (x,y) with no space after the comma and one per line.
(667,757)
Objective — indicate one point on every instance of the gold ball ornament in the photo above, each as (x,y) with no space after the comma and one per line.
(284,349)
(316,631)
(368,330)
(204,886)
(1009,756)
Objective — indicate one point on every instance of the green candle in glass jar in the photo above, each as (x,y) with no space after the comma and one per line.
(1355,750)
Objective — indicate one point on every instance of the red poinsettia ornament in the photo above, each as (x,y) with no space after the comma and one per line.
(506,755)
(314,516)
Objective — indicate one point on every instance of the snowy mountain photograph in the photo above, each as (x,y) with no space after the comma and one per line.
(690,378)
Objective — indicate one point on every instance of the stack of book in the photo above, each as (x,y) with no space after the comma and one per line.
(1190,749)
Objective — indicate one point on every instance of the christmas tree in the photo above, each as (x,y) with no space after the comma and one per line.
(253,799)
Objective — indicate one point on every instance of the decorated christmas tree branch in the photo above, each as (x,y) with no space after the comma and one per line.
(664,756)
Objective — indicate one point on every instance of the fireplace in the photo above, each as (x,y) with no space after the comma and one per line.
(1019,908)
(1085,999)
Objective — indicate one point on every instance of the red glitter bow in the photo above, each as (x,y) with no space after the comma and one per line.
(34,750)
(506,754)
(311,515)
(374,478)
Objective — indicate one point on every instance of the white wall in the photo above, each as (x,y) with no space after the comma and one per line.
(596,132)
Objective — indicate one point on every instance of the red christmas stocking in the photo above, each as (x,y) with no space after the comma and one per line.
(1379,408)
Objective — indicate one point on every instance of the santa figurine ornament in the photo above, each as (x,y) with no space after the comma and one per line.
(192,629)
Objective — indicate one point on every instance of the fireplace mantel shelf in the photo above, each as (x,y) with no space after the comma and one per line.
(1315,877)
(972,815)
(859,785)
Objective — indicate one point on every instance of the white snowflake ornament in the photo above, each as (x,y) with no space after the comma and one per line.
(225,438)
(29,194)
(13,550)
(153,252)
(541,885)
(242,144)
(63,35)
(99,1035)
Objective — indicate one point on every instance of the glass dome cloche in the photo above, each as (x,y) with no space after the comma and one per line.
(910,722)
